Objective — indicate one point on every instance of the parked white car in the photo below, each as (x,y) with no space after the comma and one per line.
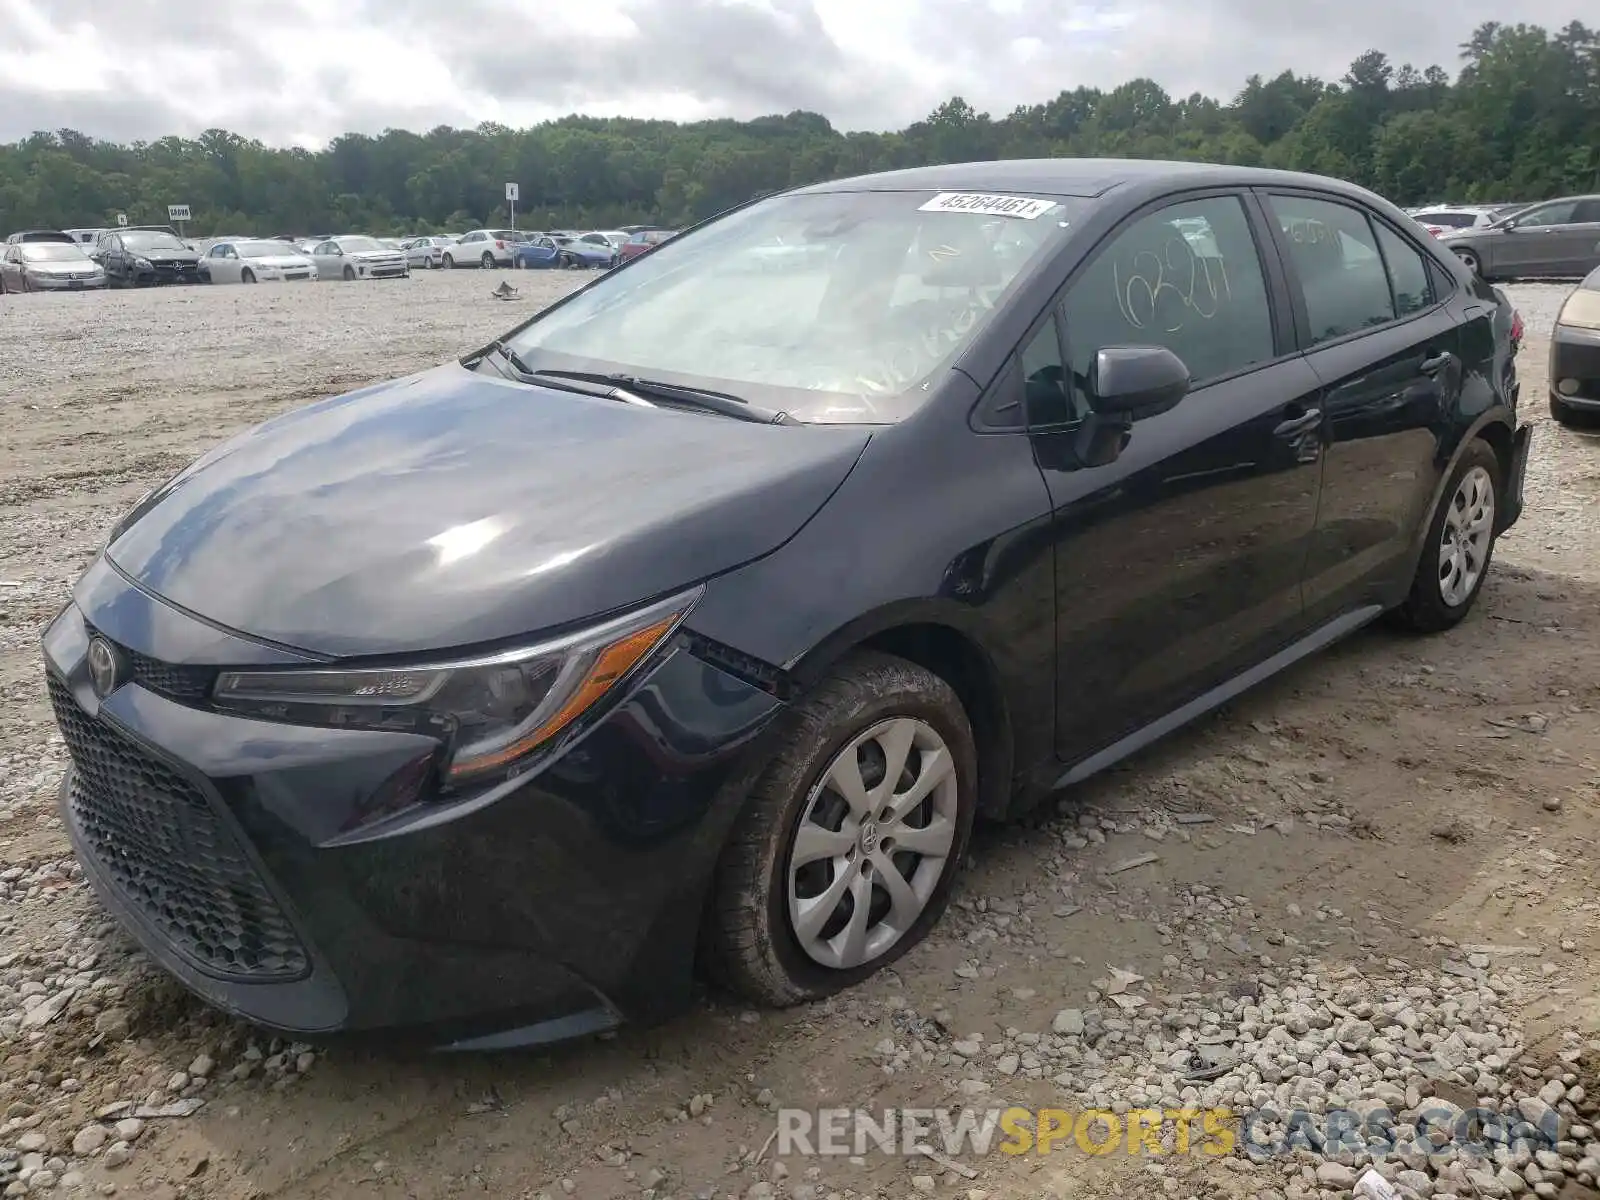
(484,248)
(426,252)
(358,257)
(255,260)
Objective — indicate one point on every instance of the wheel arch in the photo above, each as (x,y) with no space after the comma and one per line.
(1497,427)
(940,641)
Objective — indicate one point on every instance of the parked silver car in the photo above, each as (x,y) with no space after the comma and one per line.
(426,252)
(1554,239)
(358,257)
(251,260)
(48,267)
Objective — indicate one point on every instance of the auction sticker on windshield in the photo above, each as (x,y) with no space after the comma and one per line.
(1025,207)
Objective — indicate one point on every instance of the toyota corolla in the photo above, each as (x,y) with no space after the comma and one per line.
(697,618)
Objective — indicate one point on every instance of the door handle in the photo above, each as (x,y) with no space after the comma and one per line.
(1435,363)
(1295,426)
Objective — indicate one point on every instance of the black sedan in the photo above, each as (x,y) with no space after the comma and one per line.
(1575,356)
(700,616)
(140,257)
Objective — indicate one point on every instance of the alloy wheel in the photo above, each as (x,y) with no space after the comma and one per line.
(872,843)
(1465,541)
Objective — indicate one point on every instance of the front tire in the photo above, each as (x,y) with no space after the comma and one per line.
(449,263)
(1459,546)
(247,276)
(850,841)
(349,274)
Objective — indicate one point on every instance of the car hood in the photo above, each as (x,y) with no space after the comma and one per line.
(370,254)
(167,256)
(451,508)
(76,267)
(1472,234)
(280,260)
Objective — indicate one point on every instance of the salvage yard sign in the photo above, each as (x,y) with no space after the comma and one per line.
(178,212)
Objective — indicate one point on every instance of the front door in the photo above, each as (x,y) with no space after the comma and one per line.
(1179,562)
(1537,243)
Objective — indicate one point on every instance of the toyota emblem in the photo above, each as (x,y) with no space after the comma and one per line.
(104,667)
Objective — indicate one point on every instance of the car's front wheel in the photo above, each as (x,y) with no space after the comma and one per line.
(849,843)
(1459,545)
(247,276)
(449,263)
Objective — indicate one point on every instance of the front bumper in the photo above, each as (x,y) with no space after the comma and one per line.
(278,872)
(57,283)
(168,273)
(1575,356)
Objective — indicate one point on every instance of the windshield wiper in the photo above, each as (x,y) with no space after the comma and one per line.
(579,384)
(723,403)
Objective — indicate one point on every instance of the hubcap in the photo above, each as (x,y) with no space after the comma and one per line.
(873,842)
(1464,544)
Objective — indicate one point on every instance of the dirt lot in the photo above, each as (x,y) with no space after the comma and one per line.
(1374,876)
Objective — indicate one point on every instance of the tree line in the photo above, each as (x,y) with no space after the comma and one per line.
(1519,121)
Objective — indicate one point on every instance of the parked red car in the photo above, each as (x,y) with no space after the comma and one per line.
(644,240)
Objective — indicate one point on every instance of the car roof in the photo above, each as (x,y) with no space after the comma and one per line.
(41,235)
(1085,178)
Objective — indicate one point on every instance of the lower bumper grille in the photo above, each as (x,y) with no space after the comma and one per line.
(157,839)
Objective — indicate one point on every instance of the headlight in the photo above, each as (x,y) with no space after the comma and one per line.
(1581,311)
(142,263)
(491,712)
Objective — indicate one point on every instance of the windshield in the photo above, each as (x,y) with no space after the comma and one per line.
(263,249)
(361,243)
(836,307)
(1455,220)
(51,252)
(144,239)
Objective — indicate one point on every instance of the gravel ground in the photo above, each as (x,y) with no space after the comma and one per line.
(1367,886)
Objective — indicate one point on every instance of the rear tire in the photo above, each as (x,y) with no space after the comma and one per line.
(1471,262)
(768,934)
(432,266)
(487,261)
(1459,546)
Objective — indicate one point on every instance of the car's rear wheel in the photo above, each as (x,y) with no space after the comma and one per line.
(1470,260)
(487,261)
(349,274)
(1459,545)
(432,266)
(849,843)
(247,276)
(449,263)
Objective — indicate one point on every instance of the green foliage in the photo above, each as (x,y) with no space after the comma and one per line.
(1520,121)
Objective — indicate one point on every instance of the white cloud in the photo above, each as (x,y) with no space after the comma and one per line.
(306,70)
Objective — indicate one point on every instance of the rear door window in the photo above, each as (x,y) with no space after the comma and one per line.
(1341,275)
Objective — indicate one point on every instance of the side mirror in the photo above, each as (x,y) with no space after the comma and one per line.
(1137,381)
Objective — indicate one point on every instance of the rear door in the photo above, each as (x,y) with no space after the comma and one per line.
(1179,561)
(1580,251)
(1384,332)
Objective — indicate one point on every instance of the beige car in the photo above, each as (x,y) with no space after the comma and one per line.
(48,267)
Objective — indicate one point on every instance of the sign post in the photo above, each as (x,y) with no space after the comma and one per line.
(512,196)
(178,214)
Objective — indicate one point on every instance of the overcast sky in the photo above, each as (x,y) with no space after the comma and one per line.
(303,71)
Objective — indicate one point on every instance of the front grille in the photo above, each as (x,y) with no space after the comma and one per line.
(158,840)
(189,685)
